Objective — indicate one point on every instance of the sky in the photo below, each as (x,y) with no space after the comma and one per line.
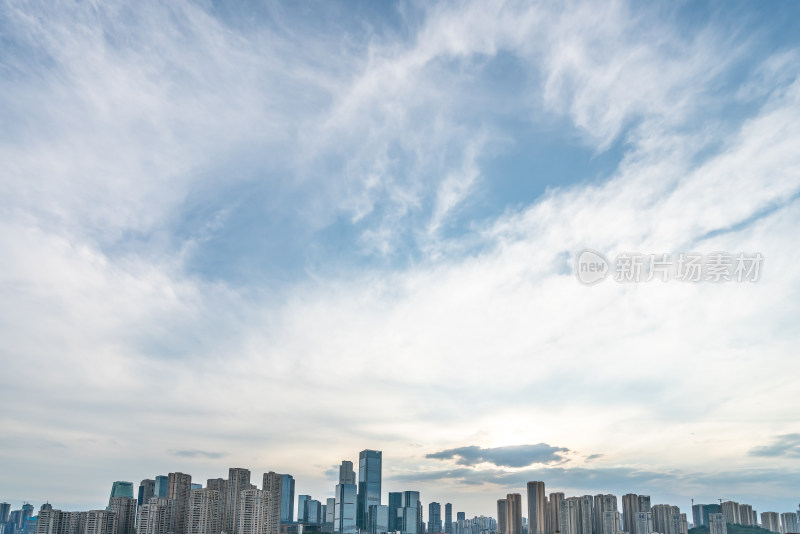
(272,235)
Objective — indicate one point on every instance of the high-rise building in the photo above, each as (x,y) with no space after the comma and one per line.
(238,481)
(344,515)
(717,524)
(502,515)
(369,483)
(611,523)
(679,523)
(302,508)
(378,519)
(156,516)
(101,521)
(554,503)
(409,515)
(314,512)
(746,514)
(180,487)
(771,522)
(789,523)
(272,484)
(5,512)
(536,508)
(514,514)
(585,514)
(448,518)
(631,505)
(461,516)
(662,518)
(287,498)
(434,517)
(643,522)
(395,504)
(205,511)
(569,516)
(698,518)
(603,504)
(330,512)
(161,487)
(346,473)
(125,508)
(146,491)
(730,511)
(121,489)
(250,516)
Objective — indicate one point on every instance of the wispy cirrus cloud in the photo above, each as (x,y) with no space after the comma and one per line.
(783,446)
(194,453)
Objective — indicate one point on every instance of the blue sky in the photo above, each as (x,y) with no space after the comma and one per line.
(272,235)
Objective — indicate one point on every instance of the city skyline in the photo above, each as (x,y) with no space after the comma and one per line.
(270,234)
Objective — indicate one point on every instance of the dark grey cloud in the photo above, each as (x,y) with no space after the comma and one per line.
(194,453)
(785,445)
(510,456)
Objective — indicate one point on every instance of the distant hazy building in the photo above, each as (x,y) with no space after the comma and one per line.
(536,507)
(554,505)
(250,515)
(448,518)
(346,473)
(434,517)
(5,512)
(344,515)
(409,516)
(101,521)
(611,523)
(238,481)
(205,511)
(146,491)
(395,503)
(603,504)
(330,510)
(121,489)
(125,508)
(461,516)
(662,518)
(789,523)
(302,508)
(679,523)
(502,514)
(161,487)
(514,514)
(717,524)
(179,489)
(730,511)
(272,485)
(569,516)
(746,515)
(370,464)
(287,498)
(633,504)
(157,516)
(771,521)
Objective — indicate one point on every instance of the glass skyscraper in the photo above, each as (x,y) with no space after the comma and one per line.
(369,484)
(161,487)
(122,489)
(287,498)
